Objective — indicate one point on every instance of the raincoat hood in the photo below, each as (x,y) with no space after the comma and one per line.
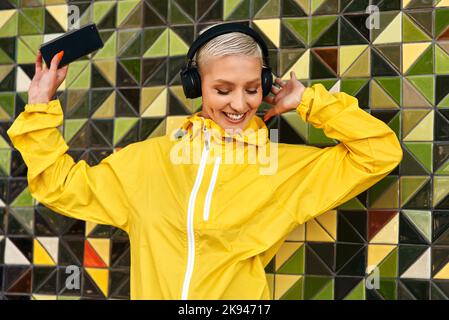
(255,132)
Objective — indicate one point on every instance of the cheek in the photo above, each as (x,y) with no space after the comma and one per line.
(214,101)
(255,100)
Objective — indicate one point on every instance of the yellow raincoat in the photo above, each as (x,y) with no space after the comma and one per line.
(207,230)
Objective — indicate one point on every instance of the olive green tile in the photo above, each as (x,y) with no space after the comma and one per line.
(423,152)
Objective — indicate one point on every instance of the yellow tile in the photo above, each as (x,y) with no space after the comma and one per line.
(376,254)
(101,278)
(405,3)
(389,234)
(60,14)
(43,297)
(41,256)
(102,248)
(298,234)
(51,245)
(108,69)
(329,221)
(285,252)
(283,283)
(301,67)
(443,273)
(443,3)
(155,99)
(361,67)
(315,232)
(5,15)
(411,52)
(392,33)
(423,130)
(440,189)
(347,55)
(271,28)
(89,227)
(107,109)
(380,99)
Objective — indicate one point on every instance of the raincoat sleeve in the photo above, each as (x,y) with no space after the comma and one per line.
(76,190)
(311,180)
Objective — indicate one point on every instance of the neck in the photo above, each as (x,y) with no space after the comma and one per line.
(204,114)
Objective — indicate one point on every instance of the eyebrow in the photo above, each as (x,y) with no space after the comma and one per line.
(228,82)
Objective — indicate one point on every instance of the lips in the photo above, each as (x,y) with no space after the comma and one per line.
(234,118)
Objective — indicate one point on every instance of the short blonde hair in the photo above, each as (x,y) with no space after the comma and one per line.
(233,43)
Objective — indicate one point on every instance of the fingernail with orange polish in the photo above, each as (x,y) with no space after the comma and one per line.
(60,54)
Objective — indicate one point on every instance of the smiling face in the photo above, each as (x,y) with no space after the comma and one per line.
(231,89)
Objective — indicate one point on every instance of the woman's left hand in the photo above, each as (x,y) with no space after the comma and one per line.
(285,98)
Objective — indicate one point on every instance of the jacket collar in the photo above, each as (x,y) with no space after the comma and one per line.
(255,133)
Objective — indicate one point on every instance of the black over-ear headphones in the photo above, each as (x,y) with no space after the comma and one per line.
(190,77)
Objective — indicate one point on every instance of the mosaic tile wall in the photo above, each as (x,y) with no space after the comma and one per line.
(130,91)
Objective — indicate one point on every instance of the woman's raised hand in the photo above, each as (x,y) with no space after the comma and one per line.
(46,81)
(285,98)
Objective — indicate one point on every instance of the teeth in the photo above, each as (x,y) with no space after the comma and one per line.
(235,116)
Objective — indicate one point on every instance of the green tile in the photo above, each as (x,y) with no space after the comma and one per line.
(124,9)
(10,29)
(425,85)
(295,264)
(422,151)
(296,292)
(352,86)
(320,24)
(5,162)
(388,289)
(389,267)
(7,102)
(241,12)
(424,64)
(411,32)
(392,85)
(24,199)
(177,16)
(441,61)
(327,293)
(358,293)
(122,126)
(133,67)
(31,21)
(441,20)
(300,26)
(271,9)
(313,285)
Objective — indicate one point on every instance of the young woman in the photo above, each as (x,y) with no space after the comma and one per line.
(207,229)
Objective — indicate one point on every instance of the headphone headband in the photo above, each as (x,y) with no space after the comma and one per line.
(190,77)
(223,28)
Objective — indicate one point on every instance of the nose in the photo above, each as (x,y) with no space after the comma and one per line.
(238,103)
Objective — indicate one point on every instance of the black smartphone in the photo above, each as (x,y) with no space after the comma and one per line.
(76,43)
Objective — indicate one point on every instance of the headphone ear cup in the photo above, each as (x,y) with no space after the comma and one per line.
(191,83)
(267,81)
(196,83)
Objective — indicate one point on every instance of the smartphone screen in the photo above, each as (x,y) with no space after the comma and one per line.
(75,43)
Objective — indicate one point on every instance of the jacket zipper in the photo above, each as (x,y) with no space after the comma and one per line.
(190,215)
(211,189)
